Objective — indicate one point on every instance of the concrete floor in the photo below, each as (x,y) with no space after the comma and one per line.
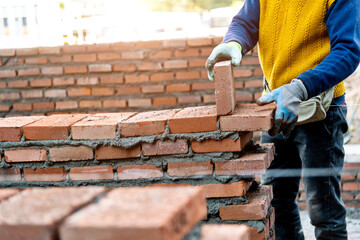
(352,220)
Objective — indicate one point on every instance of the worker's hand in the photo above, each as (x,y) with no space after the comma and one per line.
(224,51)
(288,98)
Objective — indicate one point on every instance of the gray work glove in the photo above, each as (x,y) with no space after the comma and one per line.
(224,51)
(288,98)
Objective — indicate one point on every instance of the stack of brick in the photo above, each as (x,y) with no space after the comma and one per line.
(188,146)
(113,77)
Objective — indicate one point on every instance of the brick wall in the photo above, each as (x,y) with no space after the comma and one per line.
(186,146)
(123,76)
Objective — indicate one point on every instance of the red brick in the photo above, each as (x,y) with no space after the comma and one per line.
(190,99)
(4,108)
(15,61)
(22,107)
(199,86)
(136,78)
(55,93)
(2,84)
(153,89)
(76,92)
(222,190)
(139,102)
(49,50)
(74,48)
(254,83)
(244,97)
(148,44)
(166,147)
(194,119)
(346,196)
(200,62)
(256,208)
(133,55)
(52,70)
(29,72)
(162,77)
(249,164)
(103,91)
(114,103)
(90,57)
(149,66)
(75,69)
(248,60)
(70,153)
(7,52)
(43,105)
(109,152)
(98,126)
(249,117)
(190,52)
(199,42)
(225,145)
(225,232)
(99,68)
(175,64)
(130,172)
(224,88)
(18,84)
(10,175)
(32,94)
(348,176)
(91,173)
(174,43)
(258,72)
(122,46)
(11,129)
(60,59)
(90,104)
(128,90)
(164,101)
(160,54)
(26,51)
(146,123)
(45,174)
(242,72)
(25,155)
(124,68)
(193,168)
(61,105)
(36,60)
(111,79)
(351,186)
(178,87)
(36,213)
(239,84)
(98,47)
(41,82)
(9,96)
(87,81)
(205,52)
(7,193)
(155,213)
(54,127)
(187,75)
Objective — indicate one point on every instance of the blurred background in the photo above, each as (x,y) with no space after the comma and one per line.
(31,23)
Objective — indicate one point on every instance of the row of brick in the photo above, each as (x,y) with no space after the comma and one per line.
(248,165)
(119,46)
(248,117)
(127,213)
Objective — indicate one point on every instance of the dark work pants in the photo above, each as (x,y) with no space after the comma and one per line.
(316,151)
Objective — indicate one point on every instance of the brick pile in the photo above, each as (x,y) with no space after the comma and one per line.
(188,146)
(131,76)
